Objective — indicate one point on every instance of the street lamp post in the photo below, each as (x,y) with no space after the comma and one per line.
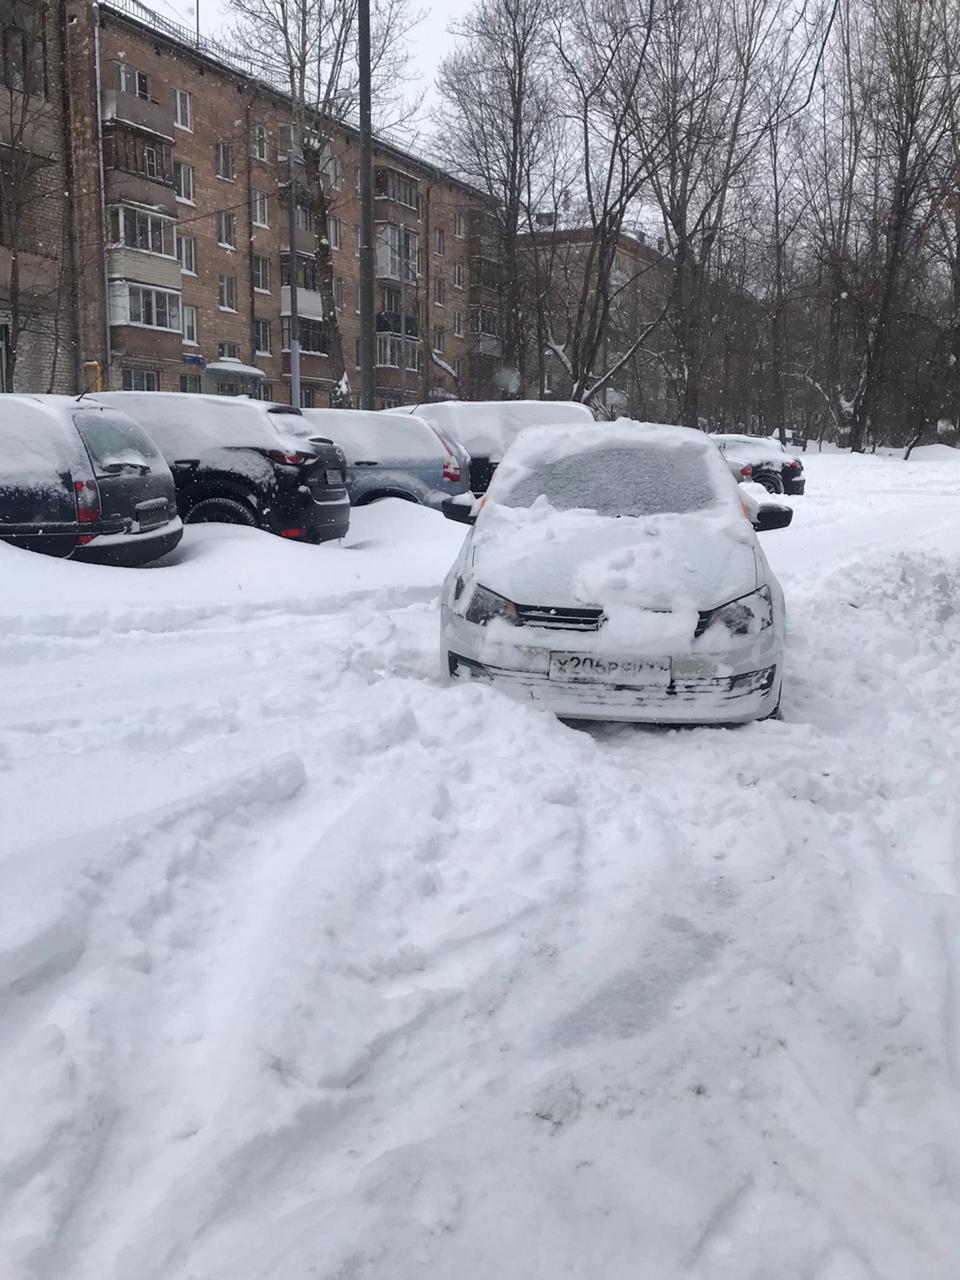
(367,330)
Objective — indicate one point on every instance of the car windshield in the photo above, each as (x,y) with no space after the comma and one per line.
(618,480)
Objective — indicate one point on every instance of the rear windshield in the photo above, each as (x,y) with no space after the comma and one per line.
(372,437)
(115,443)
(618,480)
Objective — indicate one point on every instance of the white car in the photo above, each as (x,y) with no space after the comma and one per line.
(615,575)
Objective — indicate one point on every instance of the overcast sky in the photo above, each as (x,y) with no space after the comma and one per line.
(429,42)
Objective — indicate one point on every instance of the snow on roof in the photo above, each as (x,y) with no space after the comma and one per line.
(235,366)
(366,435)
(183,423)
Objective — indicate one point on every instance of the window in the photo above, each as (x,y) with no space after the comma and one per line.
(21,57)
(137,229)
(229,350)
(389,184)
(154,308)
(258,142)
(308,397)
(460,224)
(262,337)
(228,293)
(151,165)
(403,252)
(484,320)
(227,229)
(262,391)
(458,368)
(127,150)
(284,134)
(338,292)
(190,325)
(182,110)
(259,209)
(439,337)
(4,349)
(135,379)
(187,254)
(312,335)
(333,232)
(190,382)
(134,81)
(357,246)
(390,353)
(183,181)
(439,241)
(332,170)
(308,273)
(458,275)
(458,324)
(391,299)
(304,218)
(261,274)
(439,291)
(224,161)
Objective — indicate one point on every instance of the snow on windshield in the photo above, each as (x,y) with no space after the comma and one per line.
(486,428)
(619,480)
(114,440)
(185,425)
(34,447)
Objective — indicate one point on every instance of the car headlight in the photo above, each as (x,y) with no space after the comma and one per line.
(746,616)
(482,606)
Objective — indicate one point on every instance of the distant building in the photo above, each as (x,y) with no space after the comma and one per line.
(172,159)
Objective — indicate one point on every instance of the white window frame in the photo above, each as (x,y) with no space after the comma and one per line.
(439,242)
(140,80)
(226,225)
(439,291)
(183,118)
(260,209)
(187,171)
(460,225)
(222,151)
(458,324)
(152,222)
(142,290)
(440,347)
(135,372)
(182,241)
(228,350)
(263,351)
(188,326)
(223,291)
(258,288)
(258,135)
(333,231)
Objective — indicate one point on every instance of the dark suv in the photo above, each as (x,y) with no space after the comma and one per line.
(84,481)
(233,463)
(779,470)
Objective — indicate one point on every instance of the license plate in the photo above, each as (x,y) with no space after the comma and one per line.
(333,476)
(589,666)
(150,514)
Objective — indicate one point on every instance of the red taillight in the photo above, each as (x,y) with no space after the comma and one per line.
(88,506)
(451,470)
(293,533)
(793,462)
(746,471)
(291,459)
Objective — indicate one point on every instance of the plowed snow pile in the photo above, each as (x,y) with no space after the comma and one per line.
(311,967)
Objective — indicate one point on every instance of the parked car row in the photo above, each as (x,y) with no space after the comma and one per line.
(764,461)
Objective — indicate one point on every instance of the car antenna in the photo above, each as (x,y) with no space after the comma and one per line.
(83,393)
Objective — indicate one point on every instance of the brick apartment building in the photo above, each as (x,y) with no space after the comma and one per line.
(173,161)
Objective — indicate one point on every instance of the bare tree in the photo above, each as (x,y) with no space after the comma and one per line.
(308,48)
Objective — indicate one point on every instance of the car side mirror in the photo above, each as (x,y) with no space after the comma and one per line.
(772,516)
(462,512)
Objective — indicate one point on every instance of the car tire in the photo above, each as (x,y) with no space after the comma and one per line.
(772,483)
(221,511)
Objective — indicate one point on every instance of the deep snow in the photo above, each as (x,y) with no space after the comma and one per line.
(310,966)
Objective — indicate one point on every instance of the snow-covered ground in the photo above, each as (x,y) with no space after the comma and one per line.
(311,967)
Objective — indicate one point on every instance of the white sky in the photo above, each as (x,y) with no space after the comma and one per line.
(429,41)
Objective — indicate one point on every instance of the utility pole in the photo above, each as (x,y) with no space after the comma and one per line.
(403,311)
(367,333)
(293,273)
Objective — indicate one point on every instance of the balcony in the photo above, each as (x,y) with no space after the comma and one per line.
(144,268)
(127,108)
(39,276)
(305,242)
(390,322)
(132,188)
(485,344)
(309,303)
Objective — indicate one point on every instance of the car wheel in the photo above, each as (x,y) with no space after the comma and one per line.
(221,511)
(772,483)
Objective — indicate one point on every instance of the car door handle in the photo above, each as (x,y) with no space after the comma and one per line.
(361,463)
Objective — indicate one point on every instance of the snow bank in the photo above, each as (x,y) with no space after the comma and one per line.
(317,968)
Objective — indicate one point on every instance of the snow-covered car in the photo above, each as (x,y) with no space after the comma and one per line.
(779,470)
(615,575)
(81,481)
(389,455)
(486,428)
(238,461)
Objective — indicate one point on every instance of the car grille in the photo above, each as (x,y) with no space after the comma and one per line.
(560,619)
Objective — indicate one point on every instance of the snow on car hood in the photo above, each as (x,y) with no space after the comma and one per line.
(651,575)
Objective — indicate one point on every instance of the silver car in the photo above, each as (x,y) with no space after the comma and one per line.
(392,455)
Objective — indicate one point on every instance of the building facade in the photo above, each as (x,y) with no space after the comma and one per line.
(176,173)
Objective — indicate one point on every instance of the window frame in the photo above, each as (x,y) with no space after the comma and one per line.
(439,242)
(186,310)
(254,272)
(181,240)
(258,325)
(184,169)
(259,202)
(140,90)
(227,286)
(258,135)
(181,96)
(142,291)
(224,159)
(227,227)
(138,370)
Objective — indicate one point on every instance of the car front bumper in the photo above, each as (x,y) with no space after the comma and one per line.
(703,689)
